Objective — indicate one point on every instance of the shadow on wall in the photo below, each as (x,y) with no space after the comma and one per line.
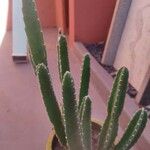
(4,7)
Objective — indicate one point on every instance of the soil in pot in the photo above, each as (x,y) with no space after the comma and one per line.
(95,132)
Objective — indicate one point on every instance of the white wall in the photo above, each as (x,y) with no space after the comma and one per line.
(134,48)
(19,37)
(3,18)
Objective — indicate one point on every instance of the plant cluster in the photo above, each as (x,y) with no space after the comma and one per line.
(73,124)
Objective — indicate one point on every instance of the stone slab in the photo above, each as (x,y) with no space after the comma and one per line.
(116,30)
(134,48)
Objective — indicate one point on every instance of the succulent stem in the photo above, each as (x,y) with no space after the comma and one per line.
(63,61)
(115,106)
(86,123)
(50,102)
(85,79)
(133,131)
(34,33)
(72,125)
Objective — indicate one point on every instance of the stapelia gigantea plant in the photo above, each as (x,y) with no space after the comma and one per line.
(73,124)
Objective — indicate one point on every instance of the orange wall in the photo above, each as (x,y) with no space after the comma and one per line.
(59,17)
(46,10)
(91,19)
(61,14)
(71,21)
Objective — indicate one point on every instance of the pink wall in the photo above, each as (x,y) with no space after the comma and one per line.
(46,10)
(91,19)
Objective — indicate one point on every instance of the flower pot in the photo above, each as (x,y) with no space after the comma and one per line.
(53,143)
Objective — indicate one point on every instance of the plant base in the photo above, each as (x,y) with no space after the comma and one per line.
(53,143)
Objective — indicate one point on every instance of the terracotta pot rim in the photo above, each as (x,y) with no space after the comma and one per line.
(50,140)
(52,134)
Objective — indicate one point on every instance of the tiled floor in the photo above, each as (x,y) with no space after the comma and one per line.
(24,123)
